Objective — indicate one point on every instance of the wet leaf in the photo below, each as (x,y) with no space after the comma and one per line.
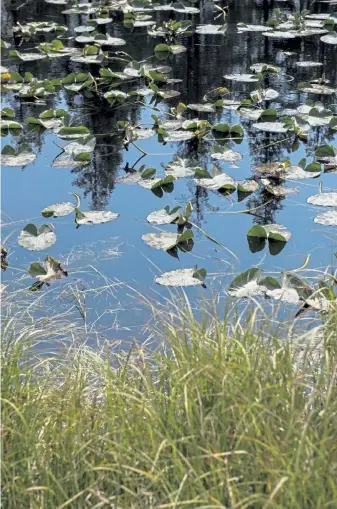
(216,183)
(271,127)
(168,240)
(21,157)
(73,132)
(324,199)
(247,284)
(182,167)
(26,57)
(94,216)
(327,218)
(51,271)
(36,239)
(246,78)
(202,108)
(164,216)
(330,38)
(182,277)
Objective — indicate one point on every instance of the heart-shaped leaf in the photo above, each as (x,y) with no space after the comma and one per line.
(36,239)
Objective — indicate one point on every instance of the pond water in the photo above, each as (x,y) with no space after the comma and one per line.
(116,248)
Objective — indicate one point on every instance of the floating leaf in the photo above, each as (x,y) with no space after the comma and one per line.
(327,218)
(211,29)
(324,199)
(10,124)
(60,209)
(21,157)
(217,183)
(86,144)
(242,27)
(182,277)
(246,284)
(167,241)
(330,38)
(271,127)
(182,167)
(308,63)
(246,78)
(26,57)
(225,154)
(202,108)
(73,132)
(164,216)
(316,89)
(52,270)
(176,136)
(37,239)
(94,217)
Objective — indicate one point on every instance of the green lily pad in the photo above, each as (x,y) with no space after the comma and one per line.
(21,157)
(37,239)
(10,124)
(247,284)
(51,271)
(71,133)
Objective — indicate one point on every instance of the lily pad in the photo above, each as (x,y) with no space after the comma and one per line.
(182,277)
(330,38)
(242,27)
(167,241)
(182,167)
(324,199)
(71,133)
(26,57)
(211,29)
(247,284)
(37,239)
(308,63)
(86,144)
(164,216)
(310,88)
(327,218)
(202,108)
(59,209)
(227,155)
(176,136)
(216,183)
(10,124)
(271,127)
(21,157)
(51,271)
(246,78)
(94,217)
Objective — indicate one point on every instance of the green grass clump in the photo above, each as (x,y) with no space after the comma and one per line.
(219,416)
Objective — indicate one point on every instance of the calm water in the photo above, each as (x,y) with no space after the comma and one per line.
(116,249)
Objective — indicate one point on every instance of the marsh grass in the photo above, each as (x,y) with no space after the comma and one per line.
(222,414)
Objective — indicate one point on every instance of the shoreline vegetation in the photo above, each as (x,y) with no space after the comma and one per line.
(224,412)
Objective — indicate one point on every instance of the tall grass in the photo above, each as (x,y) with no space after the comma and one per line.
(219,416)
